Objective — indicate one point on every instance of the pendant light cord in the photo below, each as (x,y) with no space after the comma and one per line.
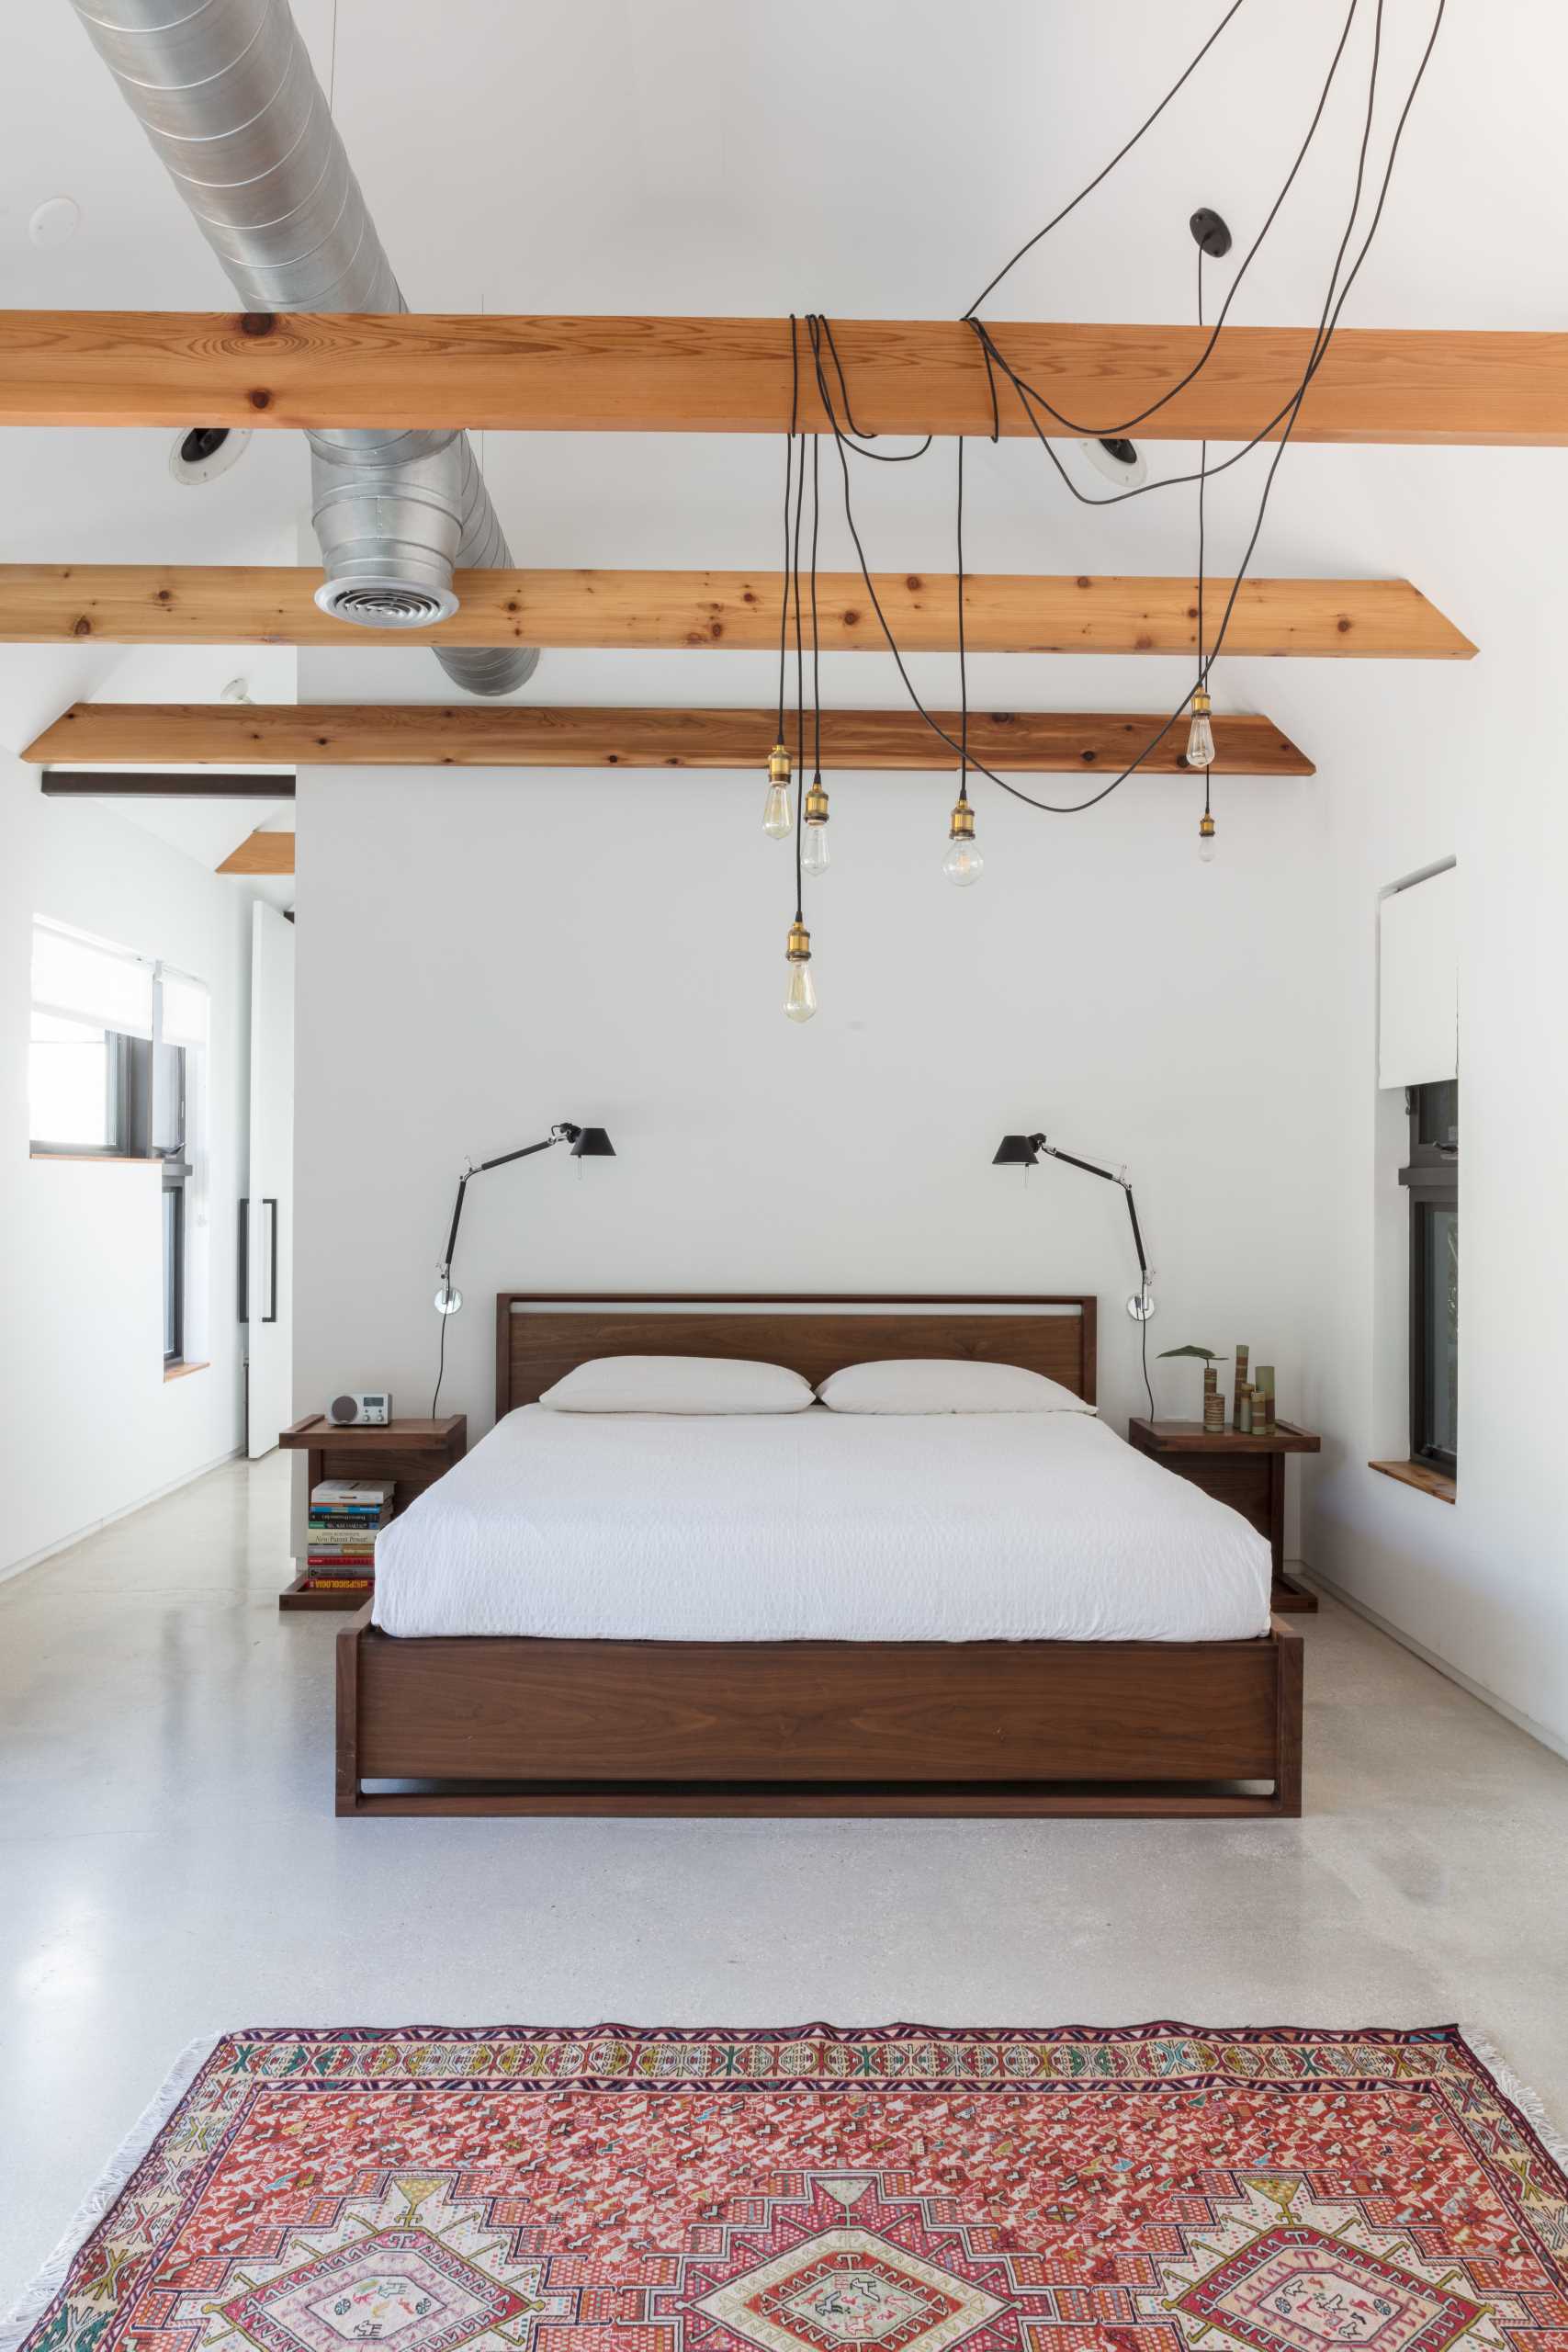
(1202,665)
(816,636)
(1334,303)
(789,475)
(963,650)
(1147,124)
(799,682)
(1141,416)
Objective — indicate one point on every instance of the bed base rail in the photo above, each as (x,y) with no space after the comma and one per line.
(465,1725)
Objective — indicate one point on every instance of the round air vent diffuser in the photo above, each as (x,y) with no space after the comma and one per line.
(384,605)
(1120,461)
(205,451)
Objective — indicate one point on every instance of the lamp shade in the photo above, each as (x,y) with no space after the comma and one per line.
(1016,1151)
(593,1143)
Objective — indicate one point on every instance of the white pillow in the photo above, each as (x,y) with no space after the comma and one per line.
(678,1384)
(945,1384)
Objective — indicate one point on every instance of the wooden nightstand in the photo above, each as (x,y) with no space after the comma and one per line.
(1248,1473)
(414,1453)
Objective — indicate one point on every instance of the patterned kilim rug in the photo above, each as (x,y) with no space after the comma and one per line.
(899,2191)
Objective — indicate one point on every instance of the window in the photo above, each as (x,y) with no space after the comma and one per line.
(112,1040)
(1432,1179)
(92,1010)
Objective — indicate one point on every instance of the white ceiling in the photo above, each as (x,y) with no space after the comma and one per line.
(877,159)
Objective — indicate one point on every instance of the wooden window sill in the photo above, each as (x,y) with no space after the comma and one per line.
(179,1371)
(1422,1476)
(101,1159)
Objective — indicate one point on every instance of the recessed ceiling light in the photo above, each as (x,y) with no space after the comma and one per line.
(1122,462)
(206,451)
(54,221)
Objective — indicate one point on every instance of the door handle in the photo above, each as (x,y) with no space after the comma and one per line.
(242,1263)
(271,1315)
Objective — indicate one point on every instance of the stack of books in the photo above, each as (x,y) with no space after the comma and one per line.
(344,1515)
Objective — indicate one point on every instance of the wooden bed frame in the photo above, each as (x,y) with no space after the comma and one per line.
(482,1725)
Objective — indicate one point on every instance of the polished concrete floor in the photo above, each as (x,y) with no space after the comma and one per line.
(169,1865)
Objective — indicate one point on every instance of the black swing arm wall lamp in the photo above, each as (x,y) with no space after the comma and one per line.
(587,1143)
(1025,1151)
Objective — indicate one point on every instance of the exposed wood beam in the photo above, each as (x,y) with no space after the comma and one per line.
(1004,612)
(261,853)
(683,375)
(521,735)
(156,784)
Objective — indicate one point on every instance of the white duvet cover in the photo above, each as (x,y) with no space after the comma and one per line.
(818,1526)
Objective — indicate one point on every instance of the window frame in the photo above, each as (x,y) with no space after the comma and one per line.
(1431,1179)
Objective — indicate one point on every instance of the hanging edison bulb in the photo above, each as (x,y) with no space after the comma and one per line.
(776,819)
(814,816)
(964,863)
(1200,734)
(800,996)
(1206,840)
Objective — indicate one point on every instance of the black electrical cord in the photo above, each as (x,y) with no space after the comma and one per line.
(1114,432)
(799,686)
(1326,327)
(856,433)
(1146,125)
(1328,322)
(1061,809)
(963,655)
(1317,359)
(441,1356)
(789,466)
(799,640)
(1203,481)
(1143,1350)
(1203,670)
(816,636)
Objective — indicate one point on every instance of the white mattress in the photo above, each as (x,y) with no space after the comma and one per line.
(818,1526)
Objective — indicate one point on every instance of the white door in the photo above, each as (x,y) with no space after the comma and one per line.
(269,1287)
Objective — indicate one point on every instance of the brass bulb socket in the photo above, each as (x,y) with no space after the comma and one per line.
(799,948)
(962,827)
(816,810)
(1206,828)
(1201,704)
(778,764)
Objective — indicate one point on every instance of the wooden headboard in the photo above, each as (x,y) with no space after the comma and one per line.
(542,1334)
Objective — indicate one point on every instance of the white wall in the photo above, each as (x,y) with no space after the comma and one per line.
(1474,770)
(483,953)
(88,1425)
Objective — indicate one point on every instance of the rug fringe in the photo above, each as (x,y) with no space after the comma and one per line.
(18,2320)
(1513,2087)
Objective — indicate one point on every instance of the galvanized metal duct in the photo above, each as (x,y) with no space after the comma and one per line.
(227,97)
